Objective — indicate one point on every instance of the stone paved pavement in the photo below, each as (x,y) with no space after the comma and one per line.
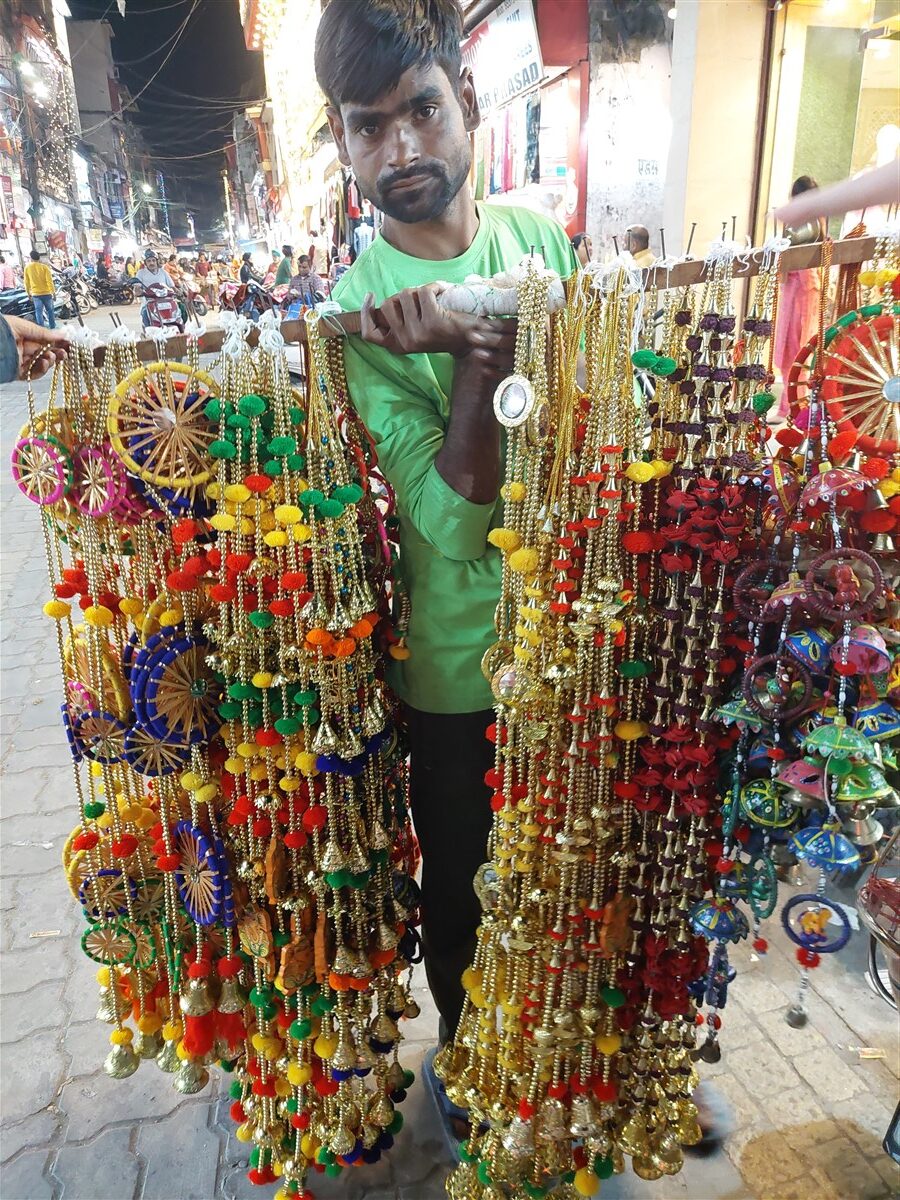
(808,1115)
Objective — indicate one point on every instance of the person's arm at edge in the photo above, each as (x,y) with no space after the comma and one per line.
(878,187)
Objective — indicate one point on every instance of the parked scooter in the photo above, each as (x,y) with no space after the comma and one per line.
(78,286)
(15,302)
(193,297)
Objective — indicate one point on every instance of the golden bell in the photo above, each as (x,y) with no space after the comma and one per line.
(167,1060)
(195,1002)
(147,1045)
(121,1062)
(231,997)
(107,1008)
(344,1059)
(667,1153)
(646,1168)
(383,1029)
(325,741)
(332,858)
(381,1111)
(633,1139)
(190,1077)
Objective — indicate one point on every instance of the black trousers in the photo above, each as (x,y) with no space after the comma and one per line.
(449,756)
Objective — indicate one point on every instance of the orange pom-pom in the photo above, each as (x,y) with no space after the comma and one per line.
(841,444)
(875,468)
(789,437)
(319,637)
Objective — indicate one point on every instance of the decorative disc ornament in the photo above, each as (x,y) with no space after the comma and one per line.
(99,481)
(847,584)
(108,942)
(158,427)
(199,876)
(806,919)
(152,756)
(104,896)
(861,389)
(513,401)
(101,736)
(180,693)
(42,469)
(777,687)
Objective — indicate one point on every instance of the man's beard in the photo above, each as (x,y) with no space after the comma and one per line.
(421,204)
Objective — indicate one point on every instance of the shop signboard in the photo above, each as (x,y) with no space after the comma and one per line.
(94,238)
(6,188)
(504,54)
(116,210)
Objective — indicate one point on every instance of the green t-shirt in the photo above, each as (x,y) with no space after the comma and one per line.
(284,272)
(451,572)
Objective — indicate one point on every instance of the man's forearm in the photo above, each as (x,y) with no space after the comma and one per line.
(469,460)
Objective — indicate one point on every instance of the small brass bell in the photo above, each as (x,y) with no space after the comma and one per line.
(148,1045)
(190,1077)
(195,1002)
(231,997)
(646,1167)
(381,1111)
(121,1062)
(167,1060)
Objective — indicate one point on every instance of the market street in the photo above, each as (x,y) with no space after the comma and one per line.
(809,1113)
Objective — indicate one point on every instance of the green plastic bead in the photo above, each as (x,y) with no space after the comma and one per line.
(465,1154)
(235,1090)
(252,406)
(643,359)
(96,808)
(484,1175)
(613,996)
(300,1030)
(283,445)
(332,509)
(222,449)
(664,366)
(262,620)
(603,1167)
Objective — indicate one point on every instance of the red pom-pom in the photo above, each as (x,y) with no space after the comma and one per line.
(790,438)
(125,846)
(223,593)
(85,841)
(198,970)
(181,581)
(637,542)
(879,520)
(238,562)
(281,608)
(724,866)
(262,827)
(168,862)
(841,444)
(315,817)
(526,1110)
(257,483)
(760,945)
(557,1091)
(808,958)
(875,468)
(237,1112)
(295,839)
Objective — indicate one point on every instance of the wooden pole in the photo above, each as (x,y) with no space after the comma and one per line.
(797,258)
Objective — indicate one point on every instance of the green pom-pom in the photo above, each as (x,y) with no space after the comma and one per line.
(534,1190)
(222,449)
(305,699)
(242,691)
(235,1090)
(311,498)
(643,359)
(296,416)
(409,1078)
(337,879)
(293,1104)
(296,462)
(333,1169)
(281,937)
(351,493)
(283,445)
(252,406)
(324,1155)
(664,366)
(613,996)
(332,509)
(288,725)
(262,620)
(762,402)
(603,1167)
(254,1156)
(213,409)
(272,467)
(633,669)
(397,1124)
(261,996)
(238,421)
(300,1030)
(95,809)
(465,1155)
(322,1005)
(230,710)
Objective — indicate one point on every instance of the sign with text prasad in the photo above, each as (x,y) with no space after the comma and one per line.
(504,54)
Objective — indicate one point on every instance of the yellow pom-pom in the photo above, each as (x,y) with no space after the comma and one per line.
(284,1194)
(306,762)
(258,1041)
(524,561)
(247,749)
(506,540)
(223,522)
(586,1182)
(246,526)
(266,522)
(57,609)
(121,1037)
(325,1045)
(640,472)
(301,532)
(237,493)
(514,491)
(190,781)
(259,771)
(630,731)
(206,794)
(145,819)
(149,1022)
(104,821)
(299,1073)
(172,616)
(172,1031)
(182,1051)
(889,488)
(277,537)
(289,783)
(608,1043)
(868,278)
(308,1145)
(103,976)
(213,490)
(471,979)
(130,606)
(288,514)
(234,766)
(244,1132)
(262,679)
(99,615)
(661,468)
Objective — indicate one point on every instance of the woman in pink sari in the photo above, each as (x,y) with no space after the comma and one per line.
(798,304)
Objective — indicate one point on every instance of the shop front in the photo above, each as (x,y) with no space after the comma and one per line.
(529,62)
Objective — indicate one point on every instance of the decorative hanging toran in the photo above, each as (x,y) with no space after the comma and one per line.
(695,669)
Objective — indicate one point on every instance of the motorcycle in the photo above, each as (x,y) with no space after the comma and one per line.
(193,297)
(15,302)
(247,298)
(161,309)
(114,291)
(78,287)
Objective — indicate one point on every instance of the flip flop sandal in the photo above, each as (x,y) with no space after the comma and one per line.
(447,1110)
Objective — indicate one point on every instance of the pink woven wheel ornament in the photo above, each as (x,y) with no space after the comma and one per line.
(99,481)
(40,470)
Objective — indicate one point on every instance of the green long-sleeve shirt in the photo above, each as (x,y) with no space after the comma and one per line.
(451,572)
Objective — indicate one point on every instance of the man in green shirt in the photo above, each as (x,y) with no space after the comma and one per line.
(401,109)
(285,266)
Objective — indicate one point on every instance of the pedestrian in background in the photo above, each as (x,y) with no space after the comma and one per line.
(39,286)
(798,304)
(7,274)
(583,247)
(637,243)
(285,266)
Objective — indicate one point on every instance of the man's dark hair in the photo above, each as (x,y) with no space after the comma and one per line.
(363,48)
(303,258)
(640,235)
(35,256)
(245,257)
(287,251)
(804,183)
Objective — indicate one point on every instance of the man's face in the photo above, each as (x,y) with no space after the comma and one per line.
(151,262)
(409,149)
(303,269)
